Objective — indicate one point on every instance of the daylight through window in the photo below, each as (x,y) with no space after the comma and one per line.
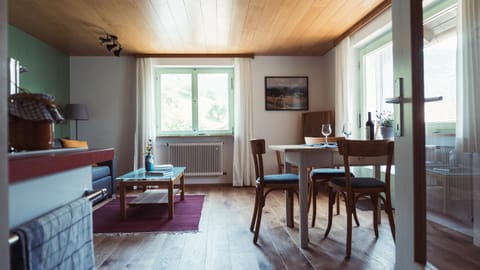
(194,101)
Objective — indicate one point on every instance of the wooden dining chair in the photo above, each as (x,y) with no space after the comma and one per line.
(267,183)
(353,188)
(320,176)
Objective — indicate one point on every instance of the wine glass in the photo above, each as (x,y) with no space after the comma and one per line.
(326,130)
(347,129)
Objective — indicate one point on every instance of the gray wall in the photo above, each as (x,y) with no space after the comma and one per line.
(107,86)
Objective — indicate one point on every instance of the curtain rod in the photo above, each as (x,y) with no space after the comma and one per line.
(197,55)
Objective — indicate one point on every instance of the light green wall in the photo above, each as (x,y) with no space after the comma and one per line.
(48,70)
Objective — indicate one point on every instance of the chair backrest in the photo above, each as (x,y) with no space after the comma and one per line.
(318,140)
(381,149)
(258,149)
(312,123)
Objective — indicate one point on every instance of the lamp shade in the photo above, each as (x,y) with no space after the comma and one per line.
(76,112)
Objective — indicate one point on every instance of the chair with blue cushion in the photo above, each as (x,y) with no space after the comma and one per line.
(353,188)
(320,176)
(267,183)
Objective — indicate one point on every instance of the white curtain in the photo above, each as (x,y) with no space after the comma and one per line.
(468,82)
(344,93)
(243,172)
(145,110)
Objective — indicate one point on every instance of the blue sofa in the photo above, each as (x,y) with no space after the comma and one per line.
(103,175)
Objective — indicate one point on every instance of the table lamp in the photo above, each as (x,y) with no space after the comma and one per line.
(76,112)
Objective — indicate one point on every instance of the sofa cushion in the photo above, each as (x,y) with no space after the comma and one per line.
(100,171)
(74,143)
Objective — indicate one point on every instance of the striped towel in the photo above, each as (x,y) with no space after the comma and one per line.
(61,239)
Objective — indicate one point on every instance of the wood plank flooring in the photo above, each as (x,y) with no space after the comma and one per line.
(224,240)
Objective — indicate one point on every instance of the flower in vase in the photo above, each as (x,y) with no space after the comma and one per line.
(148,148)
(385,118)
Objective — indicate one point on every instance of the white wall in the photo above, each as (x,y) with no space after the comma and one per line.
(39,195)
(284,127)
(107,86)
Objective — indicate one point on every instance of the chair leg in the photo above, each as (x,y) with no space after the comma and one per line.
(348,206)
(331,200)
(374,198)
(389,210)
(309,192)
(259,219)
(314,204)
(354,210)
(290,194)
(255,210)
(338,203)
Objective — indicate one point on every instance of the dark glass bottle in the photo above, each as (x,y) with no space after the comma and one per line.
(369,127)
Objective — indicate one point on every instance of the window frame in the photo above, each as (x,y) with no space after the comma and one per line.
(377,43)
(383,39)
(194,71)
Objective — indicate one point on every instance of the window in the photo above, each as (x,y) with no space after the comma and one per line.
(440,68)
(194,101)
(376,67)
(14,74)
(376,64)
(379,79)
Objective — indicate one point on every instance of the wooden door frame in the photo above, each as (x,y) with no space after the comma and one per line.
(4,229)
(407,34)
(418,132)
(418,121)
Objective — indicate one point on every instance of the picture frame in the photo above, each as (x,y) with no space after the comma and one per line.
(286,93)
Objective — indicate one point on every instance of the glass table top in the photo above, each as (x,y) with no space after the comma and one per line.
(141,174)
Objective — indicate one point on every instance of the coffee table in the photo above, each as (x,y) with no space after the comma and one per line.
(163,188)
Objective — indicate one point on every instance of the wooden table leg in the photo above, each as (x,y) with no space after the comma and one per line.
(182,186)
(123,203)
(170,199)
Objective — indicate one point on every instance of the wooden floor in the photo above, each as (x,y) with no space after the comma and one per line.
(224,241)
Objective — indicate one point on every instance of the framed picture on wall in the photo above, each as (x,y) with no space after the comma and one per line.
(286,93)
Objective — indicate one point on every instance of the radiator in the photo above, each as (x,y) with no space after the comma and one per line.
(200,159)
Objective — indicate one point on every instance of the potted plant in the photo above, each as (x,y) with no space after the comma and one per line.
(385,121)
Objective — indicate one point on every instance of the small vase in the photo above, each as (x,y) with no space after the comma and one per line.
(387,132)
(149,163)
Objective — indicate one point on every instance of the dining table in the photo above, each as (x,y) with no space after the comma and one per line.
(304,156)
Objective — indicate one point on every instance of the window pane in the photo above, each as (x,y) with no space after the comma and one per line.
(176,102)
(440,78)
(379,79)
(213,101)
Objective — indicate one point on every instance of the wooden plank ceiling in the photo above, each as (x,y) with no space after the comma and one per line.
(260,27)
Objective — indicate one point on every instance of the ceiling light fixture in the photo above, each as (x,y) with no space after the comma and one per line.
(111,43)
(117,51)
(111,46)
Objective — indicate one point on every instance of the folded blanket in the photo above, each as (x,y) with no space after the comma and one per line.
(61,239)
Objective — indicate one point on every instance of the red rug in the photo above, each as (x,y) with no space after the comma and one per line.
(149,218)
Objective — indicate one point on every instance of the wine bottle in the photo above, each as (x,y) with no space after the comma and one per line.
(369,127)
